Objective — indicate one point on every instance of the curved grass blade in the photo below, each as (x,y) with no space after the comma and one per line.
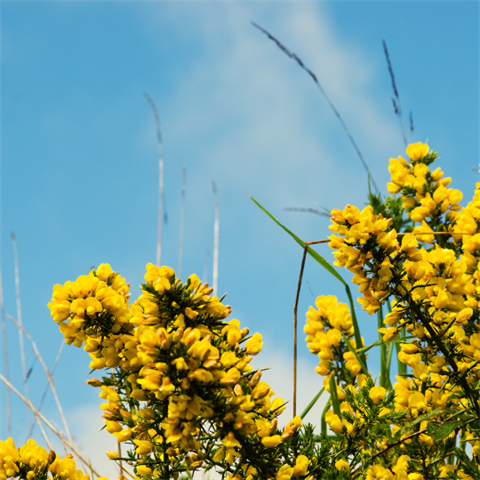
(312,252)
(330,269)
(312,403)
(334,395)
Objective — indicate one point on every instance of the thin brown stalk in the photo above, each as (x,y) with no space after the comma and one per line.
(182,214)
(120,462)
(295,310)
(5,354)
(52,371)
(49,425)
(309,210)
(216,228)
(50,379)
(160,182)
(19,315)
(293,56)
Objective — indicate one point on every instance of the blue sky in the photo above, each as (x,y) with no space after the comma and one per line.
(78,152)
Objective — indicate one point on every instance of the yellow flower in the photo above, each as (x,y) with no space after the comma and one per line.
(341,464)
(301,466)
(144,471)
(254,345)
(272,441)
(377,394)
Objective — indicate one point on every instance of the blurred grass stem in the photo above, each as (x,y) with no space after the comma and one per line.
(295,310)
(182,218)
(160,181)
(5,354)
(19,314)
(293,56)
(49,425)
(216,228)
(50,379)
(52,371)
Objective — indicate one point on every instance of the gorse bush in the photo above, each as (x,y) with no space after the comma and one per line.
(181,396)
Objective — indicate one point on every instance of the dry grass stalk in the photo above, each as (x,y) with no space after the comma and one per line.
(50,379)
(160,184)
(52,371)
(49,425)
(216,228)
(182,215)
(295,309)
(5,355)
(309,210)
(19,315)
(397,107)
(293,56)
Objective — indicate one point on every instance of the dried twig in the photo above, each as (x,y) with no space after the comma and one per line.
(49,425)
(397,107)
(215,241)
(160,187)
(182,215)
(49,375)
(309,210)
(295,309)
(32,425)
(293,56)
(5,355)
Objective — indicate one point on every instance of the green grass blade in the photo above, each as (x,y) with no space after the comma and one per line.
(331,270)
(311,252)
(388,363)
(402,368)
(325,410)
(312,403)
(334,395)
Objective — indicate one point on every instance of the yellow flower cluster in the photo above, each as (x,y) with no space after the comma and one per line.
(32,462)
(436,293)
(92,309)
(425,193)
(186,368)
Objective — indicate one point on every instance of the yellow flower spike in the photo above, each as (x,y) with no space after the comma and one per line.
(416,151)
(377,394)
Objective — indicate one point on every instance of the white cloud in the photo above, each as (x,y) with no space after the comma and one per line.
(255,121)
